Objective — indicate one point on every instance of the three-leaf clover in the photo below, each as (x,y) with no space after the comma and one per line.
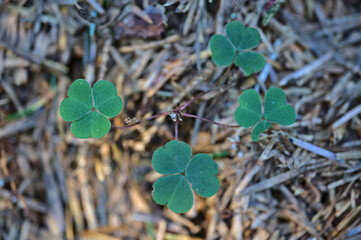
(276,110)
(89,108)
(174,161)
(225,51)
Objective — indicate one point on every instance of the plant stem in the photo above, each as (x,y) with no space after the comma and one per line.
(210,121)
(143,120)
(224,75)
(196,98)
(180,109)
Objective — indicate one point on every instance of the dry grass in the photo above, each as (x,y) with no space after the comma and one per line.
(298,182)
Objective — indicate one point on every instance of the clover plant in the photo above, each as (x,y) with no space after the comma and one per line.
(89,108)
(174,161)
(235,48)
(276,110)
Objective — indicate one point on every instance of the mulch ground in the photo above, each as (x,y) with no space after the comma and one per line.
(297,182)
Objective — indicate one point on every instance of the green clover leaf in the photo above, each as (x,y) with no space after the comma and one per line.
(171,159)
(260,127)
(276,110)
(106,100)
(79,102)
(88,109)
(249,111)
(202,174)
(93,124)
(250,62)
(223,52)
(242,38)
(239,38)
(174,189)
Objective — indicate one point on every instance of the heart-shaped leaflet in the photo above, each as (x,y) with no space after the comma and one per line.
(249,111)
(202,174)
(275,108)
(78,103)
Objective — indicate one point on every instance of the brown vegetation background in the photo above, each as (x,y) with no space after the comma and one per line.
(297,182)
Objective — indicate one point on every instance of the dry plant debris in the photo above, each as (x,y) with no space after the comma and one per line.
(298,182)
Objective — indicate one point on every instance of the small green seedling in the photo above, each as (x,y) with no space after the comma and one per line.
(276,110)
(89,108)
(226,51)
(174,161)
